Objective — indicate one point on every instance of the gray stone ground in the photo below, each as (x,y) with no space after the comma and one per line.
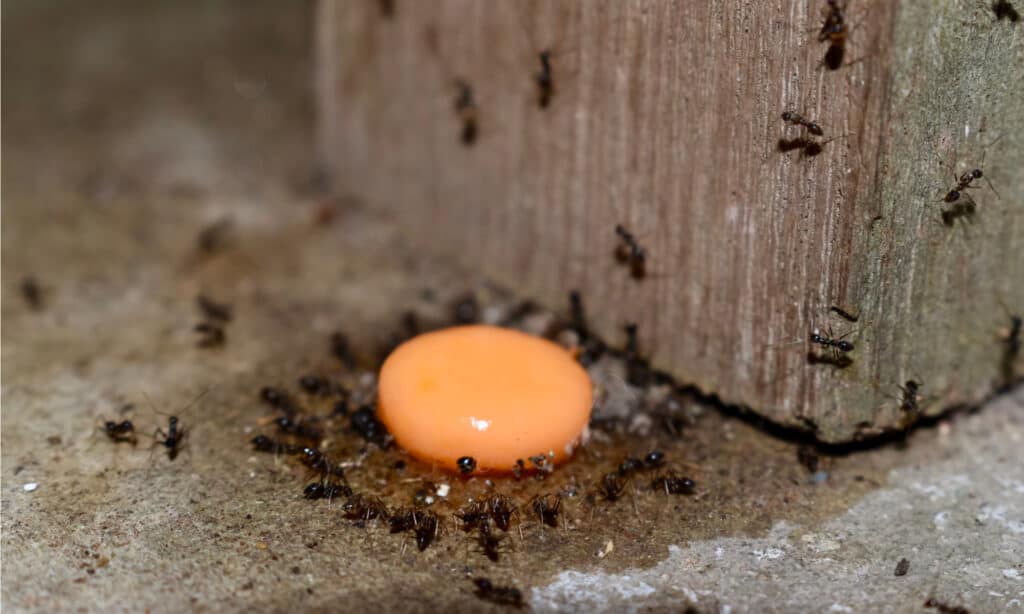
(130,126)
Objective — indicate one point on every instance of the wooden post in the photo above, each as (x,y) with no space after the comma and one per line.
(666,118)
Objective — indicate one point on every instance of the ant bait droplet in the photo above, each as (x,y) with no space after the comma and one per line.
(491,394)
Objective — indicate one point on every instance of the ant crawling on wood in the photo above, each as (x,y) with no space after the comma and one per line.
(544,80)
(795,119)
(839,348)
(630,252)
(465,108)
(834,31)
(911,396)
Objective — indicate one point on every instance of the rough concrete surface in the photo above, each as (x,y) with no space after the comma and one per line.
(128,128)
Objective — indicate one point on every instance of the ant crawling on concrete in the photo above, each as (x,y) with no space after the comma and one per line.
(465,108)
(500,595)
(326,489)
(262,443)
(629,252)
(672,484)
(612,486)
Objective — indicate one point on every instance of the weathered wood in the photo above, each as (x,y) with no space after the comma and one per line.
(666,119)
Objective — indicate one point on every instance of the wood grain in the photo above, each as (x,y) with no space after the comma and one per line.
(666,119)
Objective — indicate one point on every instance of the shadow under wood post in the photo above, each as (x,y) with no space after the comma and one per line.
(665,117)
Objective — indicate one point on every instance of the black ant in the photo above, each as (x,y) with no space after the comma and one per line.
(426,529)
(612,486)
(910,399)
(500,595)
(835,32)
(172,439)
(547,508)
(545,80)
(837,345)
(279,400)
(652,460)
(363,509)
(341,350)
(846,315)
(1004,10)
(796,119)
(963,183)
(212,309)
(120,432)
(473,515)
(465,108)
(364,421)
(807,147)
(32,293)
(319,462)
(326,489)
(466,464)
(501,509)
(518,469)
(672,484)
(629,252)
(403,519)
(262,443)
(210,335)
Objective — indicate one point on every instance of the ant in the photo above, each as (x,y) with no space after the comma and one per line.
(518,469)
(836,345)
(341,350)
(673,484)
(210,335)
(473,516)
(465,108)
(212,309)
(364,421)
(362,509)
(500,509)
(808,456)
(318,461)
(501,595)
(466,464)
(612,486)
(910,390)
(426,529)
(545,80)
(120,432)
(325,489)
(317,385)
(547,508)
(796,119)
(963,183)
(1004,10)
(834,31)
(630,252)
(172,439)
(808,147)
(32,293)
(652,460)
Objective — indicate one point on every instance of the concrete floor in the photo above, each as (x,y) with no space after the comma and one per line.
(128,128)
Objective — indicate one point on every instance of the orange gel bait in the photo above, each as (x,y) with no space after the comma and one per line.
(493,394)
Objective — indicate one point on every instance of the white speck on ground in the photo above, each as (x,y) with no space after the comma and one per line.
(30,487)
